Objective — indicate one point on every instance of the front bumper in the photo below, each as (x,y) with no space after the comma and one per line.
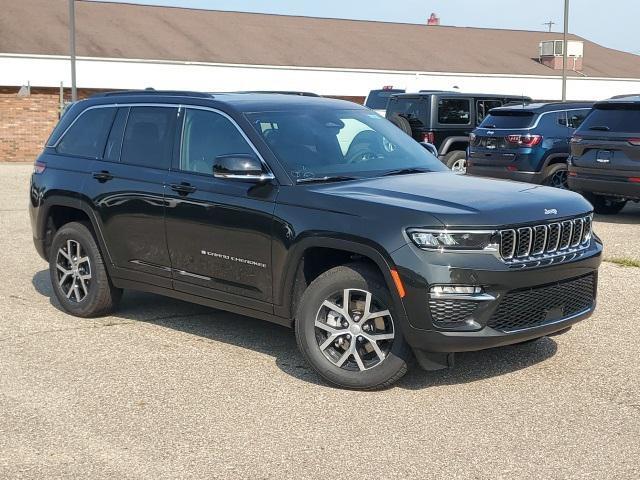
(423,333)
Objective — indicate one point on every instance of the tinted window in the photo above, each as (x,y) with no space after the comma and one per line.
(409,108)
(318,142)
(576,117)
(454,111)
(615,119)
(378,99)
(87,136)
(508,119)
(483,107)
(114,143)
(149,137)
(208,135)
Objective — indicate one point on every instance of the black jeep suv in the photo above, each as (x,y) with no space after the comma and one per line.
(306,212)
(526,143)
(605,155)
(444,119)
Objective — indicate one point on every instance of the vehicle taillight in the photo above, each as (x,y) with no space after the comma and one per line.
(38,167)
(428,137)
(524,140)
(634,141)
(634,179)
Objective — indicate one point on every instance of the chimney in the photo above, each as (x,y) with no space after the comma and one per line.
(551,54)
(433,20)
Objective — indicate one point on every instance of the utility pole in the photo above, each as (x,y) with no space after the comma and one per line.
(550,24)
(565,53)
(72,48)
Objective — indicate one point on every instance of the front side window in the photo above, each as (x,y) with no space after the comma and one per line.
(454,111)
(88,134)
(483,107)
(208,135)
(318,142)
(149,137)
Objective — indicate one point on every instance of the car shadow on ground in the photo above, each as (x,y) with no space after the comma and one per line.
(212,325)
(629,215)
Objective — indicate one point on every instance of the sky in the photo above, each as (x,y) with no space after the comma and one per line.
(611,23)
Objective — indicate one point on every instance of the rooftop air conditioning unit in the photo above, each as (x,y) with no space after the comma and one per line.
(553,48)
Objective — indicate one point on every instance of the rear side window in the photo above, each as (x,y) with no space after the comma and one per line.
(149,137)
(87,135)
(454,111)
(576,117)
(508,119)
(625,120)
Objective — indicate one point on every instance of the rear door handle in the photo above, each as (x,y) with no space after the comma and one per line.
(102,176)
(183,188)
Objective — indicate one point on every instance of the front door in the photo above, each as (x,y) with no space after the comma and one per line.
(218,230)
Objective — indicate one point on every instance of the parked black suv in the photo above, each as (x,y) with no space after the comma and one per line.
(444,119)
(526,143)
(306,212)
(605,155)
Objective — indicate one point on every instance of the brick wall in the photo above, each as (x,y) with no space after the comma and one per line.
(27,122)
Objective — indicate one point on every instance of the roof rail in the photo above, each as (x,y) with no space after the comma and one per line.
(151,91)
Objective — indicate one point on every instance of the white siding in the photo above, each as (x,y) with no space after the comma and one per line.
(49,71)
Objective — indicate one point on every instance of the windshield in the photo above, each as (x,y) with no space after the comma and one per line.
(515,119)
(322,142)
(378,99)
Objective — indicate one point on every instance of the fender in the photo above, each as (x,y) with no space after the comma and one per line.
(79,203)
(379,257)
(444,148)
(554,156)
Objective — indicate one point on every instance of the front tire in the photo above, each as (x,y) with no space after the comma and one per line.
(78,275)
(346,329)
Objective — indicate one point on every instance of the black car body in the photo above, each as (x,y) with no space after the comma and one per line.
(460,263)
(444,119)
(605,155)
(528,143)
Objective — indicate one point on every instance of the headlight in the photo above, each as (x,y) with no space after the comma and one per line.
(453,240)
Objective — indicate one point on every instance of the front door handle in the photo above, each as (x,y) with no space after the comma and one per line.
(183,188)
(102,176)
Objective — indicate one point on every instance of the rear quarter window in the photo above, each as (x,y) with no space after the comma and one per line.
(88,134)
(625,119)
(454,111)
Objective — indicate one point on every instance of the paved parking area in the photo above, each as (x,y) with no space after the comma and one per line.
(164,389)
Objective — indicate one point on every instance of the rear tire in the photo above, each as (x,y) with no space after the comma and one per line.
(605,205)
(337,337)
(456,161)
(556,176)
(78,275)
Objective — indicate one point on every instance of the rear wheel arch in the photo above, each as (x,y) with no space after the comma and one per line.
(454,144)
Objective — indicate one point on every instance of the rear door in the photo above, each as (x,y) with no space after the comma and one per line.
(609,139)
(127,190)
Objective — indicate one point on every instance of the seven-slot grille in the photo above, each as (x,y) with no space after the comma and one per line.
(539,241)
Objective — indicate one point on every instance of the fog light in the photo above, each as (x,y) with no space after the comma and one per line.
(455,290)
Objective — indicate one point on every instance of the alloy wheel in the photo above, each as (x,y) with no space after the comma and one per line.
(559,180)
(74,271)
(459,166)
(354,330)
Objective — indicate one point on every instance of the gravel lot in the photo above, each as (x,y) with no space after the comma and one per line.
(165,389)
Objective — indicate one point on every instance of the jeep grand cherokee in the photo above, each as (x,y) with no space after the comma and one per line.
(313,213)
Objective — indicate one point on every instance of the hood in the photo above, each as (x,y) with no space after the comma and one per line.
(461,200)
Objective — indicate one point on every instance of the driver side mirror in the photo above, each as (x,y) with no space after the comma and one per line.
(431,148)
(238,166)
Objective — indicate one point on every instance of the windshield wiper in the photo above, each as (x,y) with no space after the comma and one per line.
(602,128)
(406,171)
(336,178)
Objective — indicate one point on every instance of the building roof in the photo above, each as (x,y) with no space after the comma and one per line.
(117,30)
